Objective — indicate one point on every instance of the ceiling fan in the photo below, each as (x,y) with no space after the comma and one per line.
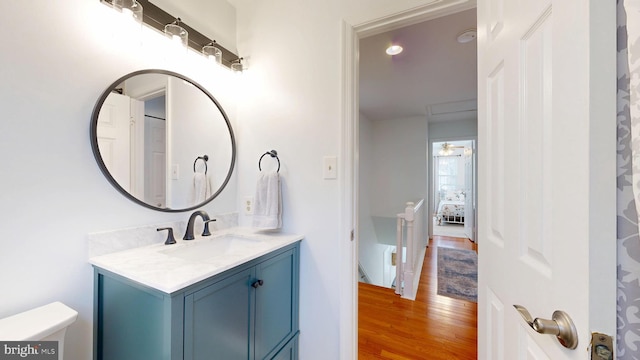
(448,149)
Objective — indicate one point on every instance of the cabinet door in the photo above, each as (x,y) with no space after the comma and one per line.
(276,303)
(289,352)
(217,320)
(130,322)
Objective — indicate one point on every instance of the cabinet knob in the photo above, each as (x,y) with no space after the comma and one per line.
(256,284)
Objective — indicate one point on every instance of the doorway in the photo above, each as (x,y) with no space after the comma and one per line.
(453,105)
(351,99)
(453,178)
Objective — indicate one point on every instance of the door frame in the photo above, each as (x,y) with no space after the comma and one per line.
(431,203)
(348,307)
(351,34)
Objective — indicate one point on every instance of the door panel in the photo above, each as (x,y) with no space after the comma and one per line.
(469,209)
(543,205)
(495,161)
(535,136)
(114,140)
(217,320)
(529,348)
(276,301)
(156,164)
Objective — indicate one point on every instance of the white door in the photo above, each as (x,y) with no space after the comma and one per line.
(546,192)
(155,162)
(469,175)
(113,132)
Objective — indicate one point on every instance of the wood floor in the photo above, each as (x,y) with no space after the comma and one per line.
(431,327)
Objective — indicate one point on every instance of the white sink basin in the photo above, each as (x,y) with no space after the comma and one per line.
(204,249)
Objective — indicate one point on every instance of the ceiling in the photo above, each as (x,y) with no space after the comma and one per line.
(435,76)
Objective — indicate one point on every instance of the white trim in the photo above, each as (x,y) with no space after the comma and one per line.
(418,14)
(348,196)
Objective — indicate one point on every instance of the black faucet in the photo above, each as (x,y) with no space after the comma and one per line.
(192,219)
(170,238)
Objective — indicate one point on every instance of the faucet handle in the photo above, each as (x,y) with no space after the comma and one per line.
(170,238)
(206,231)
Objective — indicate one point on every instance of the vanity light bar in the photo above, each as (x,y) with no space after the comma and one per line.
(157,18)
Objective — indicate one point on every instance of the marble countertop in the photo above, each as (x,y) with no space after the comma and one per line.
(169,268)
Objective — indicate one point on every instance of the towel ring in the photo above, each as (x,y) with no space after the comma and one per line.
(273,154)
(205,158)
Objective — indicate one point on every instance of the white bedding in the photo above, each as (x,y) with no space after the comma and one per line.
(451,211)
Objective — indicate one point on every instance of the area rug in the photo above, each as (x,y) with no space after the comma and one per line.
(458,273)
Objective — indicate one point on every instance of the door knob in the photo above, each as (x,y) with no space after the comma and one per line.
(560,325)
(256,284)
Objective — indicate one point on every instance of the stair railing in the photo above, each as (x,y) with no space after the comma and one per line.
(410,234)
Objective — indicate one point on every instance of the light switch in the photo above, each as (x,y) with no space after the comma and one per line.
(330,167)
(175,171)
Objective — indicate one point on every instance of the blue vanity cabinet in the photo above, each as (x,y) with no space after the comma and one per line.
(217,323)
(251,314)
(248,312)
(131,321)
(289,351)
(276,304)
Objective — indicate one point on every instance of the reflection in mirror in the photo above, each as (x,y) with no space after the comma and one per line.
(149,129)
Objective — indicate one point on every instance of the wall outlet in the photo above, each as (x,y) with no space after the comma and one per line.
(247,205)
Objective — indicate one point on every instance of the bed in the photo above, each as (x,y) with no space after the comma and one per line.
(451,207)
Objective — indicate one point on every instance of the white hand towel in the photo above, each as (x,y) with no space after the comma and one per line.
(201,189)
(267,205)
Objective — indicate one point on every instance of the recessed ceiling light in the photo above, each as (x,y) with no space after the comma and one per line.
(394,50)
(467,36)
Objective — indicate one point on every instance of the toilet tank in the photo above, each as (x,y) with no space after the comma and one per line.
(46,323)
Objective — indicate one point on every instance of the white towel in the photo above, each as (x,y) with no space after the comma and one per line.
(267,205)
(201,189)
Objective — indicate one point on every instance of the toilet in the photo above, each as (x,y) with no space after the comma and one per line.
(46,323)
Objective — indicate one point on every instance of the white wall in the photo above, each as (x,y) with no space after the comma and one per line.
(53,194)
(400,164)
(293,104)
(368,256)
(459,129)
(393,170)
(294,86)
(191,112)
(54,67)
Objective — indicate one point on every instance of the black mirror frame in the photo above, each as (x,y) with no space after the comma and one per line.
(96,151)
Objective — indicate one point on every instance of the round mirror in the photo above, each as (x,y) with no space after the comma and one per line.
(162,140)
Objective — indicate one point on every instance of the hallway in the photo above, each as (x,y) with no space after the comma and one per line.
(432,327)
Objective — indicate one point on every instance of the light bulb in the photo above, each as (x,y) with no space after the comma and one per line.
(394,50)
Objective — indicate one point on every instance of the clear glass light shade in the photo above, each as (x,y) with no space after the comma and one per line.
(237,65)
(212,53)
(177,34)
(130,9)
